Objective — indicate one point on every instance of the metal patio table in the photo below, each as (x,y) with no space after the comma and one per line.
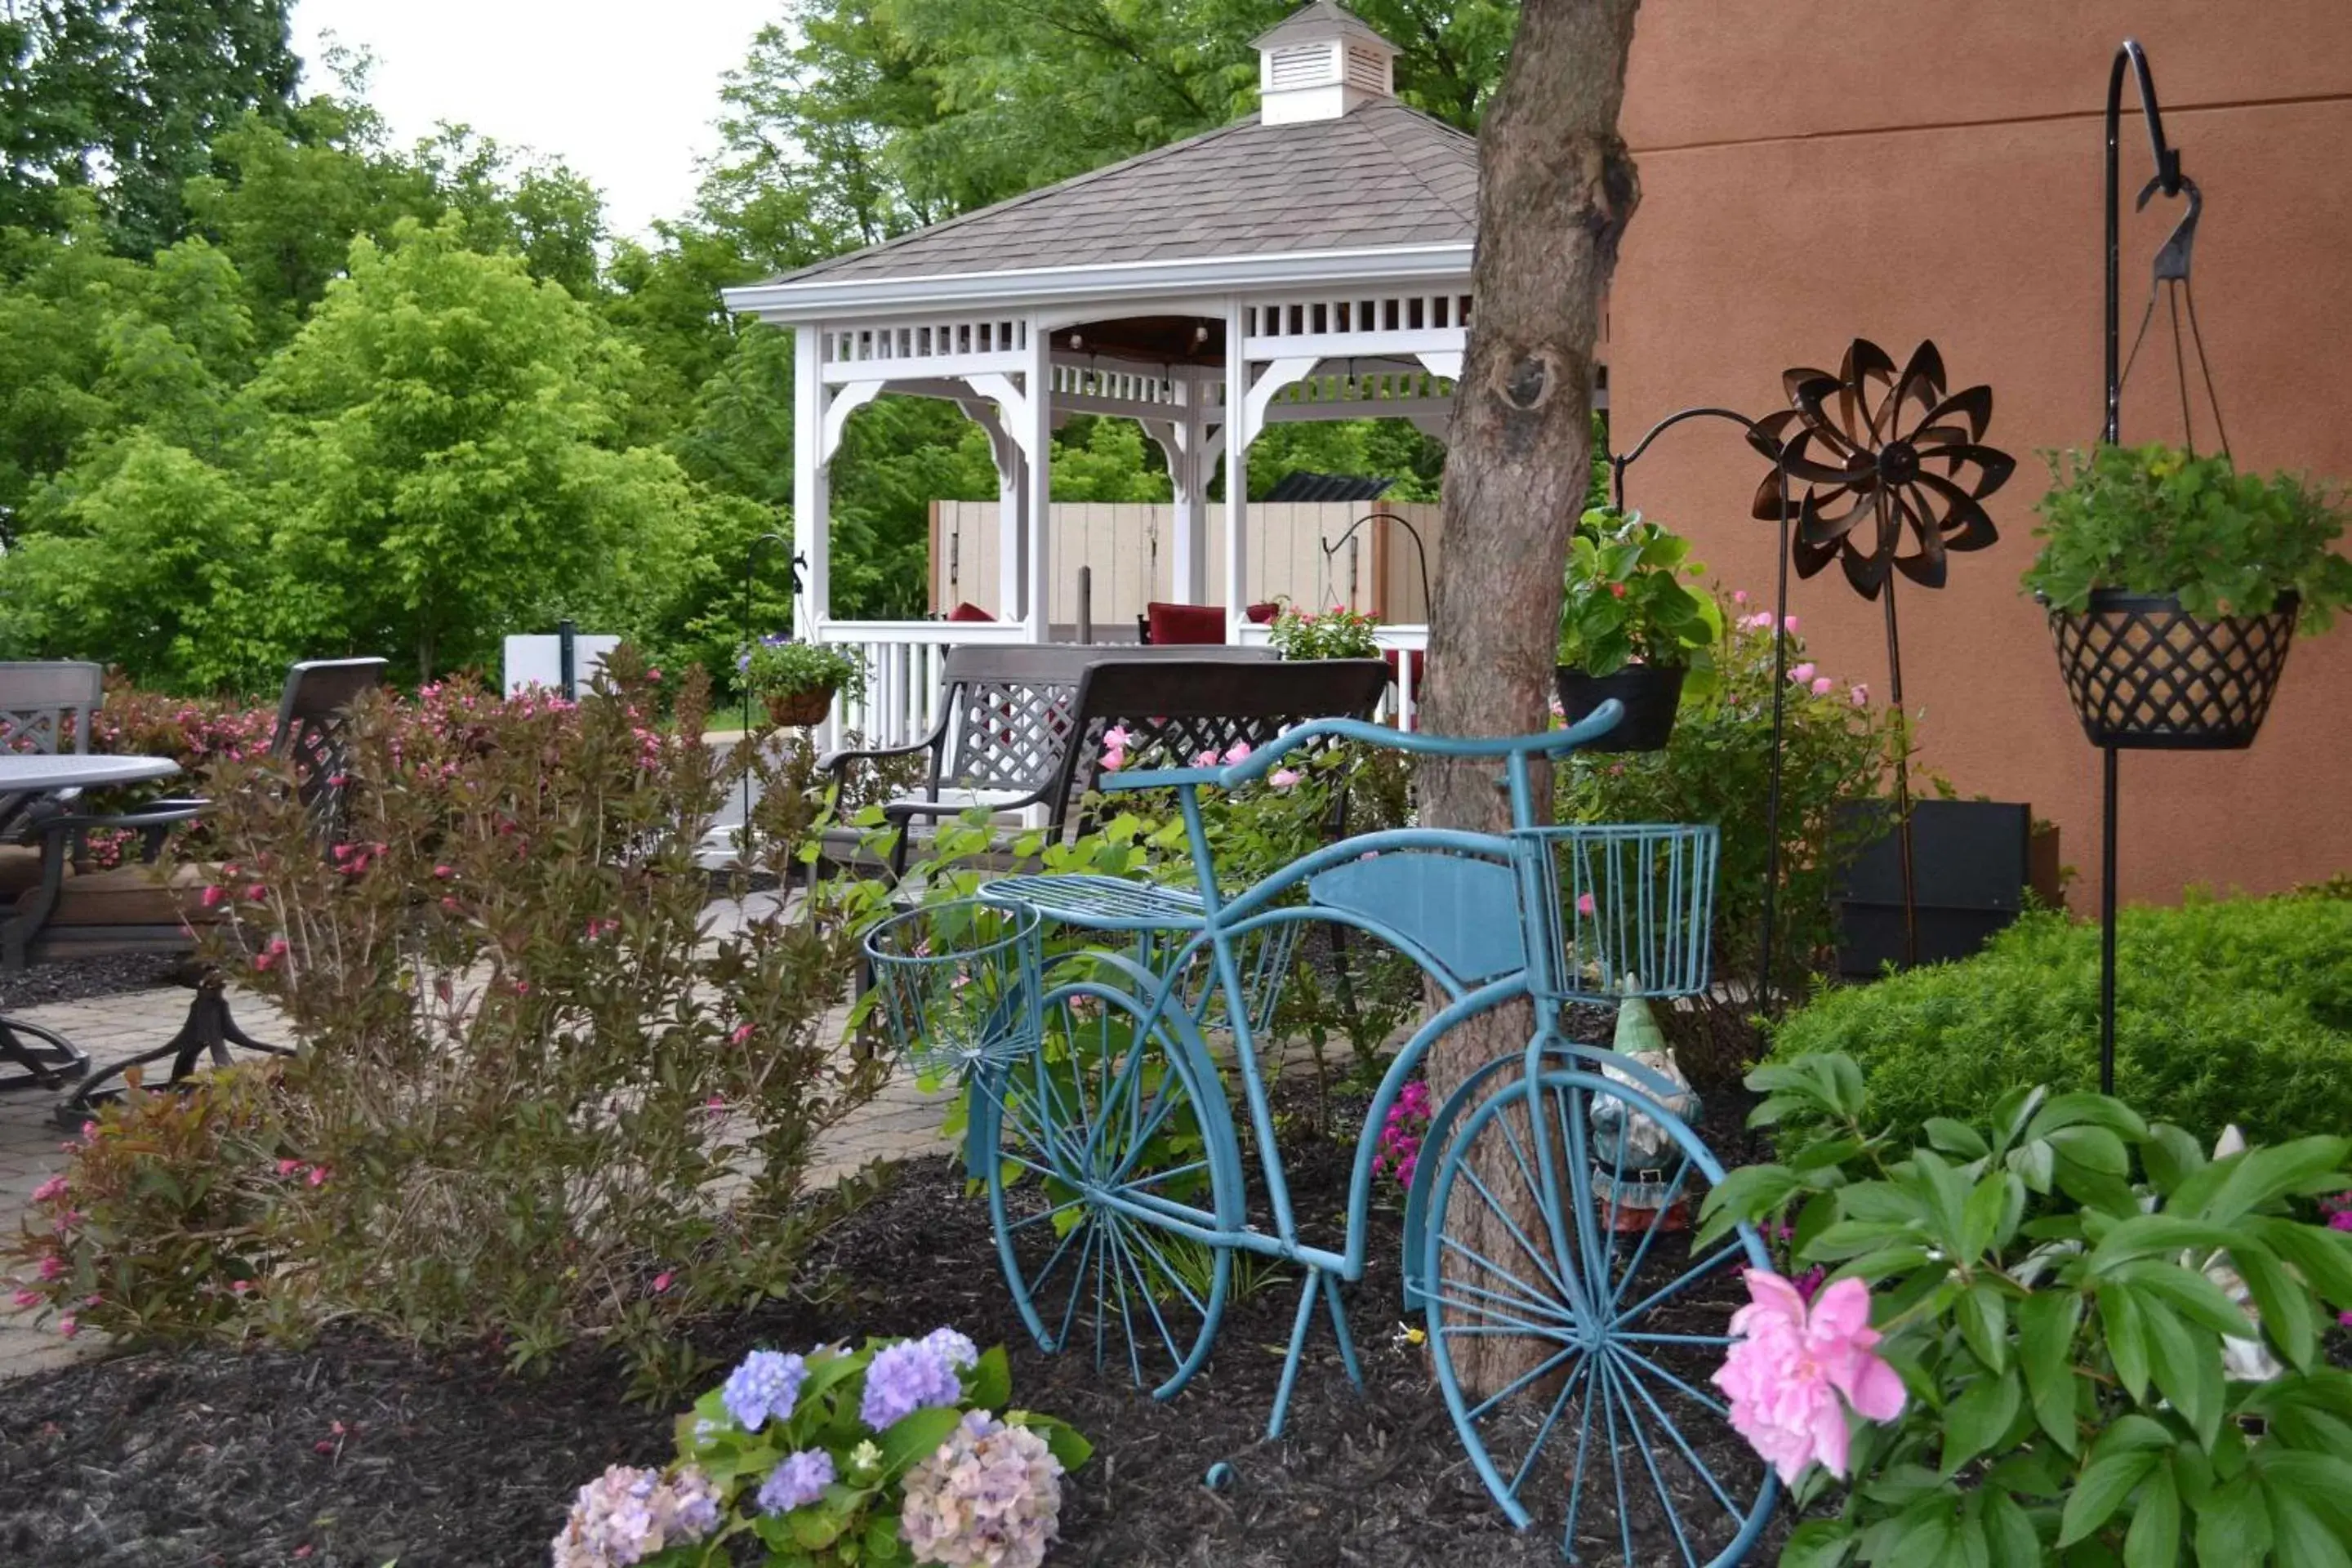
(49,1060)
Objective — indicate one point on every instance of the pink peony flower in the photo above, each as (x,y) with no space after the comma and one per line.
(1822,686)
(1802,673)
(1795,1369)
(1861,695)
(1117,738)
(1113,759)
(1789,624)
(1283,778)
(1238,752)
(1207,759)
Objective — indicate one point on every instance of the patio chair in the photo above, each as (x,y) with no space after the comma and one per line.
(313,735)
(46,706)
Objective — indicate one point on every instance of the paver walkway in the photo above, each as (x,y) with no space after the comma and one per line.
(901,1123)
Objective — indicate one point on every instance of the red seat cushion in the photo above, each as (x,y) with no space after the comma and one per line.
(1195,624)
(1389,655)
(968,611)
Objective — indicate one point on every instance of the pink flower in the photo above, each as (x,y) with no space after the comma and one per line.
(1283,778)
(239,1286)
(1113,759)
(1760,621)
(54,1187)
(1802,673)
(662,1282)
(52,1266)
(24,1300)
(68,1326)
(318,1177)
(1786,1373)
(444,872)
(742,1033)
(1861,695)
(287,1167)
(212,895)
(1822,686)
(257,892)
(1584,904)
(1207,759)
(1238,752)
(1118,739)
(1739,595)
(1789,624)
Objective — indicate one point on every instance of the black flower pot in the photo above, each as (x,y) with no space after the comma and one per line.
(1650,692)
(2145,674)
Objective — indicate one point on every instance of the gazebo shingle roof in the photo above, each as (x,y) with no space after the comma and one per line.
(1380,175)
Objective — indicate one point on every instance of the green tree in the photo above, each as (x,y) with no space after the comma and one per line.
(125,98)
(442,461)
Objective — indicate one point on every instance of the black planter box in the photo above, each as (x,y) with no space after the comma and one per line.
(1973,861)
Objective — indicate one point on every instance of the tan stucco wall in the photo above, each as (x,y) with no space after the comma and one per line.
(1896,170)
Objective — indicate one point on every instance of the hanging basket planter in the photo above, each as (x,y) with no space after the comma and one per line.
(2145,674)
(1650,692)
(791,709)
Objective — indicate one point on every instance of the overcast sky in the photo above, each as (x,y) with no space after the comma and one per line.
(625,94)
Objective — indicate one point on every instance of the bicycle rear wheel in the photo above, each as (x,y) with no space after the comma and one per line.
(1108,1143)
(1535,1239)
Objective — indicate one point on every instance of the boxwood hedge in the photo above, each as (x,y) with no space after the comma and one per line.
(2226,1011)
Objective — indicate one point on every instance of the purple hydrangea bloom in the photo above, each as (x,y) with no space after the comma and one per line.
(956,1350)
(904,1378)
(766,1386)
(799,1481)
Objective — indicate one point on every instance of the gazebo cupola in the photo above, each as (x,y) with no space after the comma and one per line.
(1320,63)
(1310,261)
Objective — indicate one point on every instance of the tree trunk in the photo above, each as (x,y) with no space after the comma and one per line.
(1556,188)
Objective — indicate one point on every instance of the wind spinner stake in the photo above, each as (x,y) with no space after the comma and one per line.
(1895,472)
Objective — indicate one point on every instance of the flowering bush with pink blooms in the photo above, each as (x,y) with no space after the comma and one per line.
(1401,1130)
(888,1454)
(2062,1334)
(1716,768)
(531,1068)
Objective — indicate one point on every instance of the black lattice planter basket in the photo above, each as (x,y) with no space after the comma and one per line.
(2145,674)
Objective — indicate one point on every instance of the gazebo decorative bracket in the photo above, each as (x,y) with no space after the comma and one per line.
(1267,384)
(851,397)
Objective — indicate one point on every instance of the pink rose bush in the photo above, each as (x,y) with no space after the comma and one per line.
(1798,1369)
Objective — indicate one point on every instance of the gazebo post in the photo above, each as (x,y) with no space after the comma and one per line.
(1188,471)
(812,518)
(1237,439)
(1036,439)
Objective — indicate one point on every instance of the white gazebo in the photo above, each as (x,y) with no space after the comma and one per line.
(1311,261)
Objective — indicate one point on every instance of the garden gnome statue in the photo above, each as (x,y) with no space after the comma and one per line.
(1630,1150)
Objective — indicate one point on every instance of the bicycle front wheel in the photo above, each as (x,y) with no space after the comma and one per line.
(1110,1144)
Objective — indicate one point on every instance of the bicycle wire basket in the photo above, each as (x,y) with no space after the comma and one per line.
(1630,911)
(958,985)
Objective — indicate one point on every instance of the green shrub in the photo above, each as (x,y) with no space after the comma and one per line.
(2238,1011)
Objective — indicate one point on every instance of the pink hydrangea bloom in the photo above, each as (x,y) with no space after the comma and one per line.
(1795,1370)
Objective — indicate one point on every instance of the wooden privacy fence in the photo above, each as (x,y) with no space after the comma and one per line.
(1130,545)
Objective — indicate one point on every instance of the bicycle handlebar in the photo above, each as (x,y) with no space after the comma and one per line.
(1261,762)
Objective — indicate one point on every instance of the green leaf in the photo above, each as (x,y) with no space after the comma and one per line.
(2061,1112)
(2153,1539)
(2228,1189)
(1983,1314)
(1747,1195)
(1955,1138)
(2106,1482)
(2119,1319)
(2153,1233)
(989,1384)
(2170,1156)
(2188,1293)
(2317,1255)
(2011,1540)
(1925,1535)
(1062,1439)
(2093,1148)
(1975,1421)
(2187,1366)
(2298,1535)
(1818,1543)
(2233,1527)
(2046,1322)
(1980,1218)
(914,1437)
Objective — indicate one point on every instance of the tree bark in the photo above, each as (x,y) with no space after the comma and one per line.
(1556,188)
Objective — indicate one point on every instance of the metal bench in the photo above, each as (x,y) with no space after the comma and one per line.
(1022,727)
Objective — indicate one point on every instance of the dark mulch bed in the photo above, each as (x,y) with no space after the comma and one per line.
(362,1453)
(80,979)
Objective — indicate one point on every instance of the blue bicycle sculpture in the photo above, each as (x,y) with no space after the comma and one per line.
(1102,1026)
